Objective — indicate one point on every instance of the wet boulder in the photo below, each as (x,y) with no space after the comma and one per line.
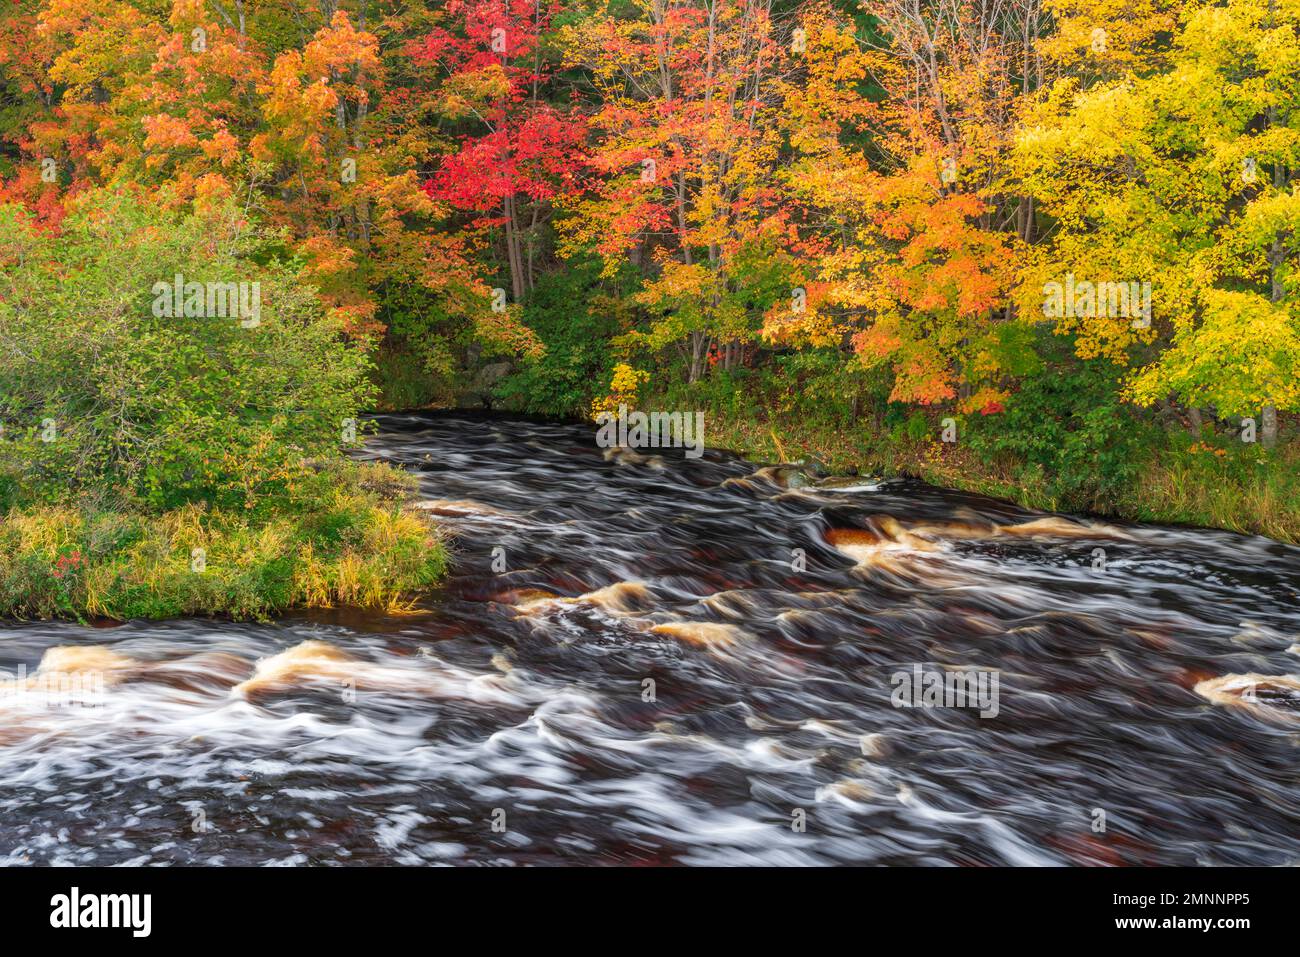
(479,392)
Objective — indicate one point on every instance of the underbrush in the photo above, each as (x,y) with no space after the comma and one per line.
(1064,442)
(354,541)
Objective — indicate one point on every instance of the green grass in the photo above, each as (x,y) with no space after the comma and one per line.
(1216,483)
(1223,485)
(359,544)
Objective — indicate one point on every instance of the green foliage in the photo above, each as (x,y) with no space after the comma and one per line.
(403,379)
(416,366)
(98,391)
(135,435)
(1069,426)
(917,427)
(822,384)
(1013,347)
(724,393)
(354,545)
(575,324)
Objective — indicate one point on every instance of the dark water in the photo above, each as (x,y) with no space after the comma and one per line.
(509,722)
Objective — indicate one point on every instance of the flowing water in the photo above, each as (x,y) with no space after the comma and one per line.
(649,659)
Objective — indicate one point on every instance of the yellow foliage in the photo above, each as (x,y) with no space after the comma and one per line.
(623,388)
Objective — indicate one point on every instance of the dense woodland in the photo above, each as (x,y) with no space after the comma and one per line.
(1064,228)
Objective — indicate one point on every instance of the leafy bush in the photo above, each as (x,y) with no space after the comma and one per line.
(574,324)
(404,380)
(136,434)
(98,390)
(821,384)
(1069,425)
(816,386)
(416,365)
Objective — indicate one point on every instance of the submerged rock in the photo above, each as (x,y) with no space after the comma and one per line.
(478,393)
(1275,697)
(702,633)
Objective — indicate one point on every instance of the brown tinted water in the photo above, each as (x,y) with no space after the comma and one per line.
(510,720)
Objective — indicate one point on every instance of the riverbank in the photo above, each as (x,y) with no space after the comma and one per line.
(621,644)
(361,543)
(1207,484)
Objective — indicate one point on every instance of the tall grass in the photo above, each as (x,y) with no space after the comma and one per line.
(360,545)
(1220,486)
(1216,483)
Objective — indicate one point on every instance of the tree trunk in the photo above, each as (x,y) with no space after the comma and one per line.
(512,251)
(1194,419)
(1025,215)
(1276,257)
(699,347)
(1268,426)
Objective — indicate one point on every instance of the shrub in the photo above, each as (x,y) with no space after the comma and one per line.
(1069,425)
(574,324)
(97,390)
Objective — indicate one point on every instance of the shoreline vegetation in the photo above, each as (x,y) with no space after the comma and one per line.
(359,544)
(156,465)
(1195,487)
(1068,444)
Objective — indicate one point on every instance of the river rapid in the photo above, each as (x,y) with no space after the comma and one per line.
(641,658)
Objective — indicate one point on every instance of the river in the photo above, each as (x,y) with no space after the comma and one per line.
(650,659)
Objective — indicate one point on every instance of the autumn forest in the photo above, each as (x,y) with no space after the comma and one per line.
(1038,248)
(643,433)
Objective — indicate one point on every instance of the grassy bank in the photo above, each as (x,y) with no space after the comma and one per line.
(358,544)
(158,462)
(1162,475)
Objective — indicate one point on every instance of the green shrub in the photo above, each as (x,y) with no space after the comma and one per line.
(99,390)
(1069,427)
(404,381)
(575,324)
